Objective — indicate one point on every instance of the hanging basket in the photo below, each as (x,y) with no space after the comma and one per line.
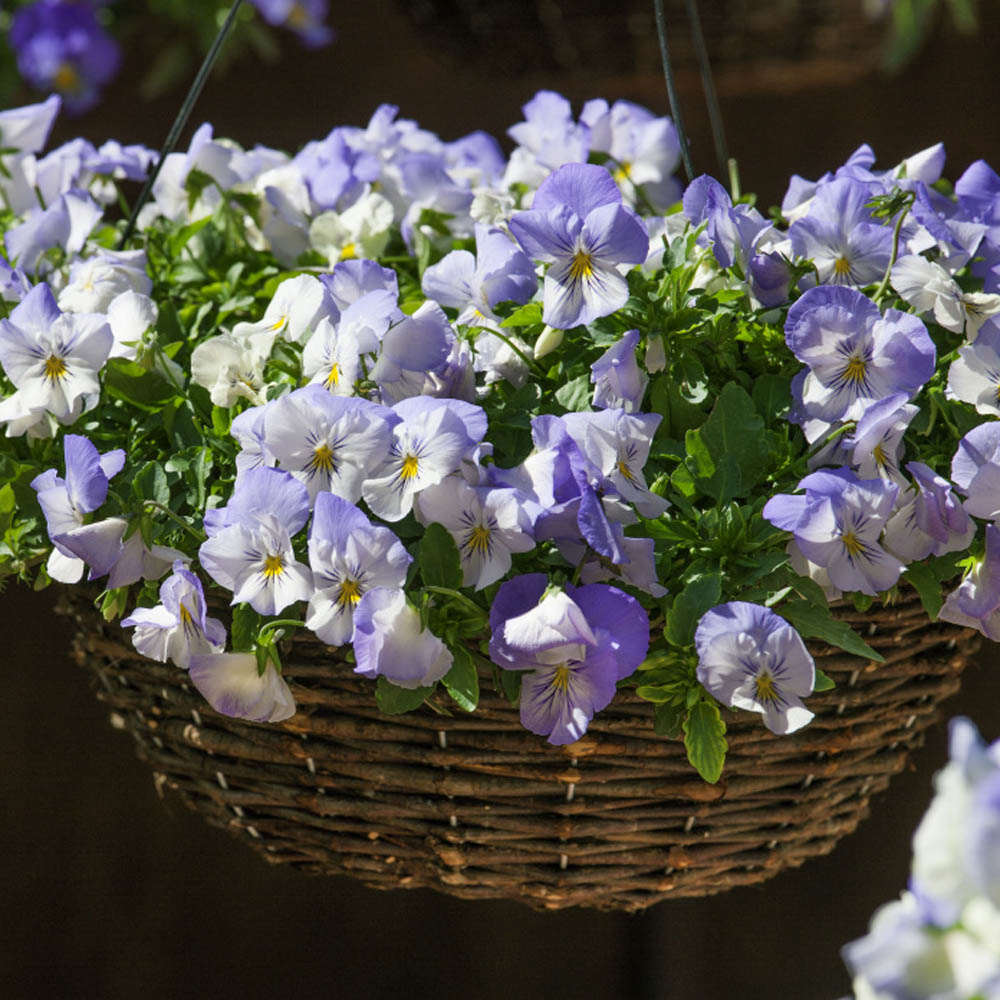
(478,807)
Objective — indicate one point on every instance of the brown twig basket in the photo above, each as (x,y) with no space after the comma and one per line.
(478,807)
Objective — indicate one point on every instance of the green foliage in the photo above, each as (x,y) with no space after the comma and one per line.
(705,740)
(393,700)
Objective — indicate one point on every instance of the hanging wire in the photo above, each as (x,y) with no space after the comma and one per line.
(668,74)
(711,97)
(182,116)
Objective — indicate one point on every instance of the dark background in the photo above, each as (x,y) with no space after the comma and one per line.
(108,892)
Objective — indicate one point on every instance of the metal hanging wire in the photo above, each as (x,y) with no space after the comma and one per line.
(181,120)
(708,88)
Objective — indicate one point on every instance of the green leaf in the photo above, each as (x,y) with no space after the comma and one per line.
(822,683)
(7,504)
(691,603)
(462,681)
(132,383)
(735,437)
(699,457)
(771,395)
(926,584)
(527,315)
(151,484)
(705,740)
(816,622)
(575,394)
(668,721)
(440,564)
(658,694)
(246,625)
(393,700)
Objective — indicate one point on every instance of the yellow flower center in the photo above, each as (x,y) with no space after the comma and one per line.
(560,679)
(349,593)
(185,615)
(274,566)
(478,540)
(856,370)
(409,470)
(55,367)
(322,458)
(581,267)
(766,692)
(881,459)
(279,323)
(334,377)
(625,471)
(852,543)
(297,17)
(623,172)
(841,266)
(349,251)
(66,80)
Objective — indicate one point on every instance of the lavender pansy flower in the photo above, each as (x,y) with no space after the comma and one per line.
(104,547)
(429,443)
(349,556)
(975,603)
(617,444)
(410,350)
(305,17)
(66,223)
(52,357)
(327,442)
(95,282)
(580,228)
(645,150)
(975,470)
(62,47)
(839,235)
(233,685)
(488,526)
(549,133)
(929,520)
(390,642)
(575,645)
(975,376)
(855,355)
(751,658)
(178,627)
(64,502)
(258,491)
(257,563)
(836,524)
(618,380)
(878,438)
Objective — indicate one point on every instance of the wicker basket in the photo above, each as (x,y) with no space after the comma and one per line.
(754,45)
(478,807)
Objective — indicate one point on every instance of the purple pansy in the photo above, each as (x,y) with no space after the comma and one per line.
(975,603)
(855,355)
(61,46)
(390,642)
(233,685)
(837,524)
(178,627)
(751,658)
(304,17)
(580,228)
(618,380)
(574,644)
(349,556)
(65,501)
(975,470)
(839,235)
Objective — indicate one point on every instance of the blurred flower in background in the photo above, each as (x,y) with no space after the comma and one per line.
(74,47)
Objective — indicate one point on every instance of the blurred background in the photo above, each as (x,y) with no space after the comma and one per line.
(107,891)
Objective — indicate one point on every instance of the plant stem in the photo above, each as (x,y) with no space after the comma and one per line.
(448,592)
(181,120)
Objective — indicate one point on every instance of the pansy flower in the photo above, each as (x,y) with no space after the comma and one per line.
(574,645)
(579,227)
(751,658)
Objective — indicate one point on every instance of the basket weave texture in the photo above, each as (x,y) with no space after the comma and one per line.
(760,45)
(476,806)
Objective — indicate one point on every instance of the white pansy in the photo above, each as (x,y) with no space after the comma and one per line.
(359,231)
(230,369)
